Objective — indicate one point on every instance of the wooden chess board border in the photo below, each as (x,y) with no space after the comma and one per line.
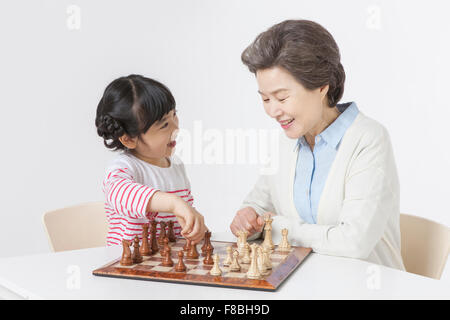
(268,283)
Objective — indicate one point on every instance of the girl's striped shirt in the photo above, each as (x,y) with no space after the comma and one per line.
(128,186)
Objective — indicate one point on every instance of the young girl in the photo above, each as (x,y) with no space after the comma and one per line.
(146,181)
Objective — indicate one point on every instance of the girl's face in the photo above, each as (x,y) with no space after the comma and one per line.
(158,142)
(298,111)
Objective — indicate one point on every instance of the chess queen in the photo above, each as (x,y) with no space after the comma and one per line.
(145,181)
(332,180)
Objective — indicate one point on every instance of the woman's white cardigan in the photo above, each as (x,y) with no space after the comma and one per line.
(358,214)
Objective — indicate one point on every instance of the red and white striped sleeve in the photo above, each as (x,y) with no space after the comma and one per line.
(125,196)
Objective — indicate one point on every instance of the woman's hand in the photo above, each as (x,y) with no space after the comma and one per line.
(191,221)
(248,220)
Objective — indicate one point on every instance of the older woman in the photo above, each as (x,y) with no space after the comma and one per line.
(336,189)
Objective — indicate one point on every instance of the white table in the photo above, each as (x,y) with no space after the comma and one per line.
(68,275)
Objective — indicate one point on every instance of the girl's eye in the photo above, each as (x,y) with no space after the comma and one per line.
(266,100)
(165,125)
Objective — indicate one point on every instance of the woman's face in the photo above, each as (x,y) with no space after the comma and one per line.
(298,110)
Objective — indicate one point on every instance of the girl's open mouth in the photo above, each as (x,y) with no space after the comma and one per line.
(172,144)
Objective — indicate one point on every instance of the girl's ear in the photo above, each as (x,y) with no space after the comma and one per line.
(128,142)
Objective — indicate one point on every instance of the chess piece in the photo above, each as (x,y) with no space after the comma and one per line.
(187,245)
(239,237)
(242,242)
(167,261)
(181,267)
(192,254)
(145,250)
(208,260)
(253,270)
(268,243)
(162,232)
(165,247)
(262,267)
(206,242)
(153,241)
(215,271)
(234,266)
(229,259)
(170,233)
(126,254)
(284,244)
(268,261)
(246,254)
(136,257)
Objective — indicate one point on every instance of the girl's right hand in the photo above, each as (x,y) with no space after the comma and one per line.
(191,221)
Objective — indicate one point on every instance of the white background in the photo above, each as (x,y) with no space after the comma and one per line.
(54,71)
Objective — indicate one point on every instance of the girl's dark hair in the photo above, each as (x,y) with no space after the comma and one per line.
(305,49)
(131,105)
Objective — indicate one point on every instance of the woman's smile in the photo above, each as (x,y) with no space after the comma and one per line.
(285,124)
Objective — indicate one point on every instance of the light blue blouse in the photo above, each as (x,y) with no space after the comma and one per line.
(313,166)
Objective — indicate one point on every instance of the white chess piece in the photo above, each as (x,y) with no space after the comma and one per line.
(284,244)
(235,264)
(267,259)
(238,241)
(229,258)
(246,259)
(242,242)
(253,271)
(215,271)
(268,243)
(261,262)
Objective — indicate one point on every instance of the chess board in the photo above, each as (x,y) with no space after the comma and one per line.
(283,264)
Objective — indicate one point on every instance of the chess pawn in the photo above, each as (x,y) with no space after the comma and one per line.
(208,260)
(246,259)
(181,267)
(136,257)
(167,261)
(234,266)
(284,244)
(126,254)
(253,270)
(193,254)
(153,241)
(261,262)
(171,234)
(215,271)
(145,250)
(229,259)
(267,259)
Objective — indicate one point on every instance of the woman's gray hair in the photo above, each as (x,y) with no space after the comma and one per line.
(305,49)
